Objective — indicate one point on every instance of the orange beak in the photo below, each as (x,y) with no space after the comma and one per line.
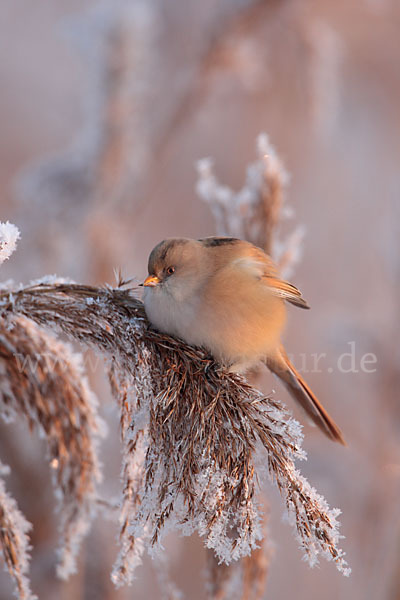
(151,281)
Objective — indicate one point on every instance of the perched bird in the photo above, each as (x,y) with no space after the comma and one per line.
(224,294)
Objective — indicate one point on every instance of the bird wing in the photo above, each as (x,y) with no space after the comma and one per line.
(286,290)
(262,267)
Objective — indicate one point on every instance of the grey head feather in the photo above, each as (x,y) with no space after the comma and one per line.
(159,253)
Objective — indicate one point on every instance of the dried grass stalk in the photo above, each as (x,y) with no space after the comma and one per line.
(254,212)
(42,381)
(191,432)
(14,541)
(244,579)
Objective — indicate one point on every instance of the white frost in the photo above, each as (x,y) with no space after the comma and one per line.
(9,235)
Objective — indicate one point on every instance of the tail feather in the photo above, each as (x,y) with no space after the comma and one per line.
(297,387)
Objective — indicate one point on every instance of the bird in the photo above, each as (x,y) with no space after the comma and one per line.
(225,295)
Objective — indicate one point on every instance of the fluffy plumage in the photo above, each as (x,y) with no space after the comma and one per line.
(225,294)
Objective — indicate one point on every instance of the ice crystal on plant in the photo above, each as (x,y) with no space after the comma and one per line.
(9,235)
(191,433)
(253,212)
(42,381)
(14,540)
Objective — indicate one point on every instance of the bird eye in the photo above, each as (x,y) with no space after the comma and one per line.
(171,270)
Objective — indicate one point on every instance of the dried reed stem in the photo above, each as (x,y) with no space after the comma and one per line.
(190,432)
(254,212)
(244,579)
(14,541)
(42,381)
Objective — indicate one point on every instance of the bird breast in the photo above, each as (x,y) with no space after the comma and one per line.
(237,321)
(169,315)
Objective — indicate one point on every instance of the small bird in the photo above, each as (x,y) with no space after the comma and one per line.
(225,295)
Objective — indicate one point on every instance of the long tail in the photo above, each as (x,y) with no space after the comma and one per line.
(283,368)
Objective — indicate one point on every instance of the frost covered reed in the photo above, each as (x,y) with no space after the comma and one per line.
(191,431)
(42,381)
(197,440)
(255,212)
(14,539)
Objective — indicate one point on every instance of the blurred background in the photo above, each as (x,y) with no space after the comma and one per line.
(104,109)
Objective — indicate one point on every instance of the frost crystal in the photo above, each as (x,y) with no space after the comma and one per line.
(191,433)
(252,213)
(42,381)
(9,235)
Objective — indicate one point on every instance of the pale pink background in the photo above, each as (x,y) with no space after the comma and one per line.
(204,78)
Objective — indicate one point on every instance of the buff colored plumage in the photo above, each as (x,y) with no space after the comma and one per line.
(225,294)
